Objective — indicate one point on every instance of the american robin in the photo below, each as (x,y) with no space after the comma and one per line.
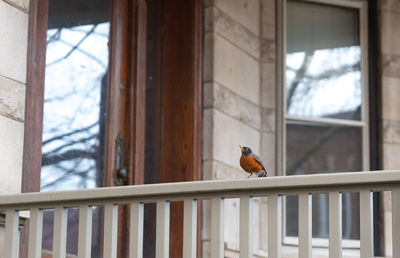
(251,163)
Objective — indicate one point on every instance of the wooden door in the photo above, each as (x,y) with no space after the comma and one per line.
(173,105)
(165,131)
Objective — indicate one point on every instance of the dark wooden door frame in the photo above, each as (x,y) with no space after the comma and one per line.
(180,156)
(34,96)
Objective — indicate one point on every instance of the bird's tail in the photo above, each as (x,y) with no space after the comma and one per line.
(262,173)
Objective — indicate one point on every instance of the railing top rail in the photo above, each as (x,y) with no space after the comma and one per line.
(280,183)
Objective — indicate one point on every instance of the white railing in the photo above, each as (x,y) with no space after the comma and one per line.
(135,196)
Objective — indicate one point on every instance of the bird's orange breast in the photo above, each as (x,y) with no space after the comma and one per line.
(249,164)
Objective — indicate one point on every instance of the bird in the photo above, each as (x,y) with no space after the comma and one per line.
(251,163)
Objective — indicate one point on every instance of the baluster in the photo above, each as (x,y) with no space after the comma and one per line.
(305,225)
(11,234)
(396,222)
(274,225)
(35,233)
(246,214)
(335,225)
(189,228)
(110,230)
(60,232)
(85,232)
(162,233)
(217,228)
(366,224)
(136,230)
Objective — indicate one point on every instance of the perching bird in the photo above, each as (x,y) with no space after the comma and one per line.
(251,163)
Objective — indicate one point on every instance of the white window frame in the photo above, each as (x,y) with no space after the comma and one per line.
(362,6)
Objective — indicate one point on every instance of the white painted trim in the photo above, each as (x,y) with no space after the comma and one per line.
(340,3)
(284,185)
(329,121)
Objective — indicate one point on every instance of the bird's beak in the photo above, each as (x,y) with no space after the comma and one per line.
(241,147)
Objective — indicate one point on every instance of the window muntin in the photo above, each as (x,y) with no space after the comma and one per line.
(325,103)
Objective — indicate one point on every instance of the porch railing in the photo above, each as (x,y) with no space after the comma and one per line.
(190,192)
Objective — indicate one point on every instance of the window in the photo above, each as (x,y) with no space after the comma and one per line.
(324,103)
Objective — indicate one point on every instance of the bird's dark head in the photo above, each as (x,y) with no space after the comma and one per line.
(245,150)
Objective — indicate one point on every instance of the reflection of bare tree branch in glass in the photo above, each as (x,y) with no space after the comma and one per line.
(332,73)
(54,37)
(309,82)
(50,159)
(72,138)
(83,52)
(300,73)
(74,47)
(58,137)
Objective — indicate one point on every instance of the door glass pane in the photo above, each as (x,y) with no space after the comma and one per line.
(323,72)
(74,107)
(318,148)
(75,91)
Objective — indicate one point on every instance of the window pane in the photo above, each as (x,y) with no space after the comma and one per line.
(323,74)
(318,148)
(75,94)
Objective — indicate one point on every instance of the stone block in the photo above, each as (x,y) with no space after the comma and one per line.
(12,98)
(268,88)
(208,57)
(390,154)
(13,43)
(389,5)
(390,32)
(391,131)
(216,170)
(268,52)
(208,19)
(246,12)
(267,153)
(268,120)
(228,133)
(233,105)
(391,65)
(235,32)
(207,134)
(22,4)
(11,138)
(207,3)
(208,95)
(268,21)
(236,70)
(390,98)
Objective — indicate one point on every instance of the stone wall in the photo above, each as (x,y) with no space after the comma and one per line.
(13,49)
(238,103)
(389,28)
